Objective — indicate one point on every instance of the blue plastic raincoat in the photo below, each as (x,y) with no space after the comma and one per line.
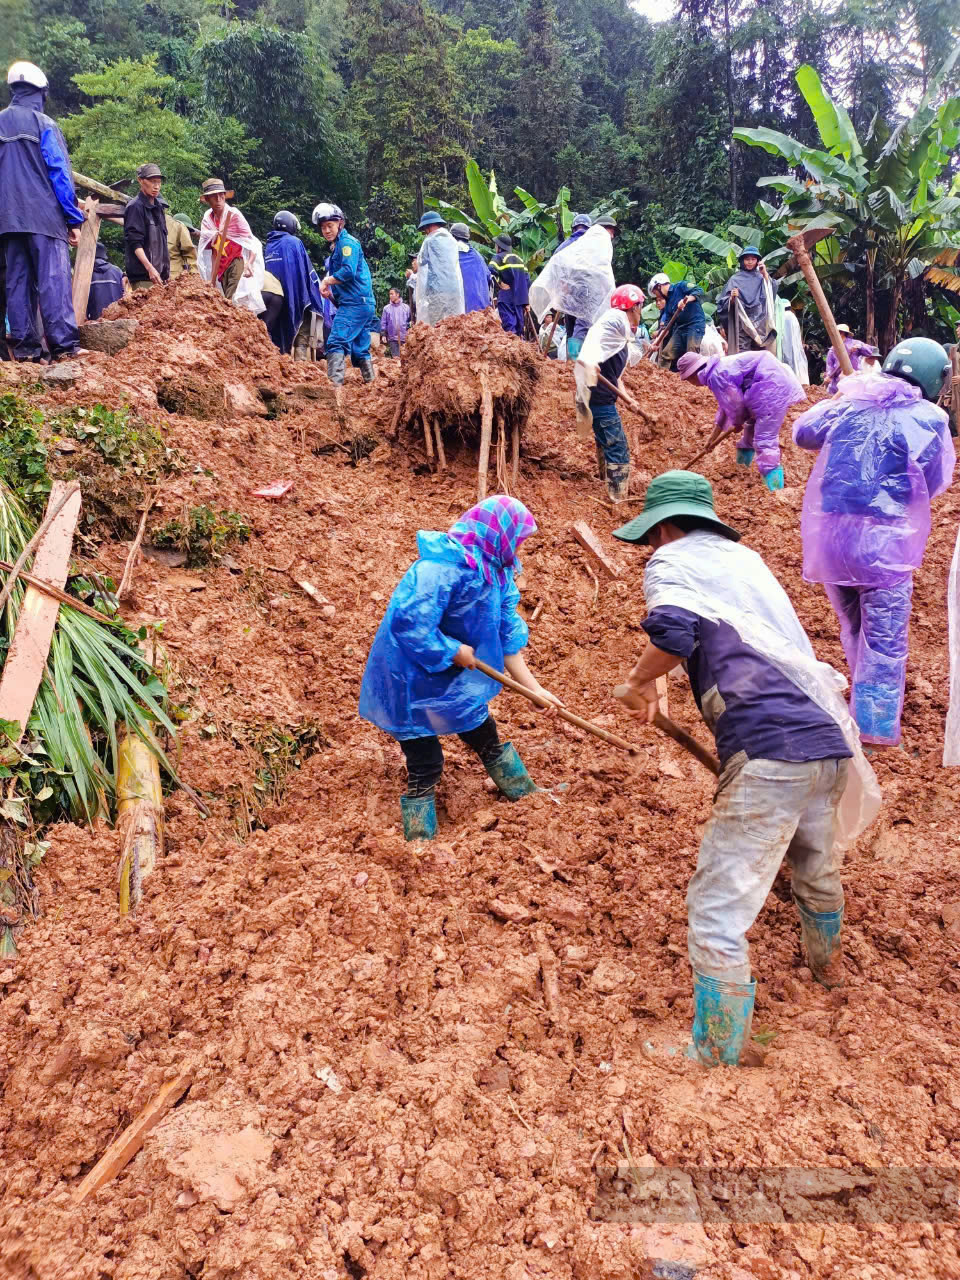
(286,256)
(411,688)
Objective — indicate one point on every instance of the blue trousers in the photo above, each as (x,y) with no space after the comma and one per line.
(608,431)
(350,331)
(38,274)
(511,317)
(875,631)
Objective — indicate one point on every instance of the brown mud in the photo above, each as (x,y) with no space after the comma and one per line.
(386,1085)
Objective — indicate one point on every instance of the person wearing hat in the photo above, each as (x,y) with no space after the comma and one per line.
(783,736)
(754,390)
(145,250)
(857,351)
(683,301)
(581,223)
(754,291)
(347,282)
(39,219)
(183,254)
(513,286)
(439,288)
(884,453)
(474,272)
(225,234)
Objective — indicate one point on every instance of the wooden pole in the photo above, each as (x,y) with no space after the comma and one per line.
(427,436)
(556,317)
(711,444)
(625,396)
(86,253)
(219,239)
(515,454)
(798,247)
(486,436)
(108,193)
(441,455)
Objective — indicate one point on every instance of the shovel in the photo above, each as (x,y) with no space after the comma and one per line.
(662,722)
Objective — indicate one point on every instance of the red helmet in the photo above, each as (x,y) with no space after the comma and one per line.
(626,297)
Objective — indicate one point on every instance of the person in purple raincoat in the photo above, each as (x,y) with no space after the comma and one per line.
(859,353)
(884,453)
(754,391)
(395,322)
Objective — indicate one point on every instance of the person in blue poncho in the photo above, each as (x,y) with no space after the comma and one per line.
(456,603)
(285,257)
(106,284)
(349,284)
(474,271)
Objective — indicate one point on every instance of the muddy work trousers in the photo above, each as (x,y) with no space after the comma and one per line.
(875,631)
(612,447)
(768,810)
(424,756)
(38,276)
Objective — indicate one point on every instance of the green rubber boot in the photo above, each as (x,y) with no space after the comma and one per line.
(510,773)
(722,1018)
(419,817)
(820,933)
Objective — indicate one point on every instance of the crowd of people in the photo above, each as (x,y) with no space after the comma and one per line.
(794,780)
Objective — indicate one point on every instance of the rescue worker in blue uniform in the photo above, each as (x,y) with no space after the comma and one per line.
(348,283)
(39,218)
(474,272)
(513,285)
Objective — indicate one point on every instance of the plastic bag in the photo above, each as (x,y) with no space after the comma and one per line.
(610,334)
(439,289)
(721,580)
(951,742)
(577,280)
(711,344)
(885,452)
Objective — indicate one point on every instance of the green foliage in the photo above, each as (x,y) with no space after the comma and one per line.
(204,534)
(121,439)
(23,455)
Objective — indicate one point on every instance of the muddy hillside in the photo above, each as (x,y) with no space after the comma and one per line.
(461,1058)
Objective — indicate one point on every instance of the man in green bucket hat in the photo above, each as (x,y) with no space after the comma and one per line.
(785,741)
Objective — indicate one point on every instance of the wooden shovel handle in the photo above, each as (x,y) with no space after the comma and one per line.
(688,742)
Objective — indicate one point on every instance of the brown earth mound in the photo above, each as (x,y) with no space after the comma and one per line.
(384,1085)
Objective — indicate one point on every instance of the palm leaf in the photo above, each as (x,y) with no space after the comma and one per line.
(836,131)
(713,244)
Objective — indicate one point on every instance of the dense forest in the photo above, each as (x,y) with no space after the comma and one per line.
(380,105)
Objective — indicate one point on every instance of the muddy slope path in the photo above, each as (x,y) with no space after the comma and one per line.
(385,1085)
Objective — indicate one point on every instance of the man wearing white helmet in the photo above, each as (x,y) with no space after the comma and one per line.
(39,218)
(683,312)
(349,285)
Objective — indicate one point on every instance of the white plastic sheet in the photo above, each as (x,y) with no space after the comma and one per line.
(951,742)
(718,579)
(608,335)
(711,344)
(249,294)
(439,290)
(577,280)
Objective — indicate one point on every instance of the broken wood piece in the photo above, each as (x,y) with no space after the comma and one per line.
(126,581)
(514,454)
(55,593)
(122,1150)
(27,656)
(139,815)
(550,972)
(327,608)
(441,455)
(427,436)
(395,424)
(86,253)
(591,544)
(486,436)
(537,611)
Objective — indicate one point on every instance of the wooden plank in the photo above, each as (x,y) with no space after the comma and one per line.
(108,193)
(27,656)
(486,436)
(663,696)
(83,265)
(122,1150)
(591,544)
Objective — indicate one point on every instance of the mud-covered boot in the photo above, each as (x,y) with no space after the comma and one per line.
(722,1018)
(510,773)
(820,933)
(419,816)
(367,371)
(336,367)
(618,481)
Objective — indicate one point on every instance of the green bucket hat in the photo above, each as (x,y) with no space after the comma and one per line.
(675,493)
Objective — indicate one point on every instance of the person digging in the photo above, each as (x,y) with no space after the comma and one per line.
(784,738)
(455,604)
(753,391)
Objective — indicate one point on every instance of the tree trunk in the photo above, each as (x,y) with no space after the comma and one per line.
(871,333)
(733,154)
(890,331)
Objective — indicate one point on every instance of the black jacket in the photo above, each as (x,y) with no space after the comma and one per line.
(145,227)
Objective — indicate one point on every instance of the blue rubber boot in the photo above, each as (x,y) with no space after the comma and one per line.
(745,457)
(419,817)
(510,773)
(722,1017)
(820,932)
(774,479)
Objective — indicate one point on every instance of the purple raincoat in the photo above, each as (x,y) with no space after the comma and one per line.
(754,391)
(856,350)
(885,452)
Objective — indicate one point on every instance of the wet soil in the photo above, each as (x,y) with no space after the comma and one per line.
(384,1084)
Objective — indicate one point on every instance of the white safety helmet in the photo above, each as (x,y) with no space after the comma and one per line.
(26,73)
(660,278)
(327,213)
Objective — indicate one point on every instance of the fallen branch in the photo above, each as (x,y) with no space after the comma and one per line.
(126,581)
(49,589)
(122,1150)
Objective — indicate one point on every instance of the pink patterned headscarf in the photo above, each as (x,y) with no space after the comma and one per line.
(490,534)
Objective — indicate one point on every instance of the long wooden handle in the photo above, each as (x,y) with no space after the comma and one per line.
(688,742)
(618,391)
(709,448)
(564,714)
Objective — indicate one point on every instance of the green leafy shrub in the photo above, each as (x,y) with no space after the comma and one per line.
(204,534)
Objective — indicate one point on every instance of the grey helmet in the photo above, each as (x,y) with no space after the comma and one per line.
(460,231)
(327,213)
